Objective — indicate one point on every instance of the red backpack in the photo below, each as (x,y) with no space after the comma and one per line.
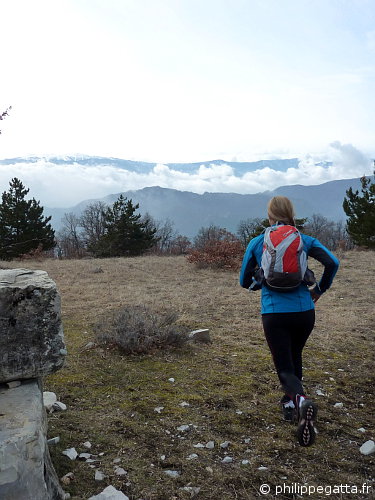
(284,260)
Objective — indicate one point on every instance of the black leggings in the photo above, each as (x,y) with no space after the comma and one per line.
(286,334)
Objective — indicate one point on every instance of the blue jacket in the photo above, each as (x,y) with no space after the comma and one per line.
(298,300)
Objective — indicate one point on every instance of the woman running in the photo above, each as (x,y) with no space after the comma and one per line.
(288,317)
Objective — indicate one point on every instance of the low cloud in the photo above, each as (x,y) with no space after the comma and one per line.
(57,185)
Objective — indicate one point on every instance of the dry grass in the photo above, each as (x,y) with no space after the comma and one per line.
(231,385)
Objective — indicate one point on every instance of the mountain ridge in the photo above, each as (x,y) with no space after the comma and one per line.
(190,211)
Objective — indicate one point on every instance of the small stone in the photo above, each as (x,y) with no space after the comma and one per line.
(87,444)
(338,405)
(183,428)
(225,444)
(59,406)
(171,380)
(201,335)
(53,441)
(84,456)
(110,493)
(158,409)
(120,471)
(192,490)
(67,479)
(198,445)
(210,445)
(361,429)
(172,473)
(245,462)
(368,447)
(227,460)
(70,453)
(13,384)
(89,345)
(49,399)
(193,456)
(99,475)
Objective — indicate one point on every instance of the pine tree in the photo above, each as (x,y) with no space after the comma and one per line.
(125,232)
(23,227)
(360,209)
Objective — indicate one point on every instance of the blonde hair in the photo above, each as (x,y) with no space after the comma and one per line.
(280,209)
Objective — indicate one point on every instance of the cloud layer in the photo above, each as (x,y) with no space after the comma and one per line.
(66,185)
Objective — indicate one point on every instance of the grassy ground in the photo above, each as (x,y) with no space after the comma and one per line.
(230,385)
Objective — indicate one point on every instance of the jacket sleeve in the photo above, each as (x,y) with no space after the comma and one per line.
(249,264)
(328,260)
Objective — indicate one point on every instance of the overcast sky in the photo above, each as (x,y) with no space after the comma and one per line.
(187,80)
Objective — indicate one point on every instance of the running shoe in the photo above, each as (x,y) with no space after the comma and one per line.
(306,411)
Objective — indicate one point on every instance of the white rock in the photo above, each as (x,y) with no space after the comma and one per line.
(54,440)
(87,444)
(158,409)
(193,490)
(110,493)
(198,445)
(245,462)
(119,471)
(361,429)
(202,335)
(49,399)
(171,380)
(227,460)
(193,456)
(59,406)
(210,445)
(183,428)
(71,453)
(13,384)
(338,405)
(368,447)
(172,473)
(99,475)
(184,404)
(225,444)
(319,392)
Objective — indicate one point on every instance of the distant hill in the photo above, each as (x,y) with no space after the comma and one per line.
(190,211)
(143,167)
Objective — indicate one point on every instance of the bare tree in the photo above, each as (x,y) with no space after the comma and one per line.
(180,245)
(4,114)
(69,241)
(92,222)
(330,233)
(247,228)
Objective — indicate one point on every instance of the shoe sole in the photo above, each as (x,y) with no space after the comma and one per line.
(307,415)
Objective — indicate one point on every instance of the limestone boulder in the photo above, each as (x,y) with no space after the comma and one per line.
(31,333)
(26,470)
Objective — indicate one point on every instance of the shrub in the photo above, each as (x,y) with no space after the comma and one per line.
(218,254)
(138,330)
